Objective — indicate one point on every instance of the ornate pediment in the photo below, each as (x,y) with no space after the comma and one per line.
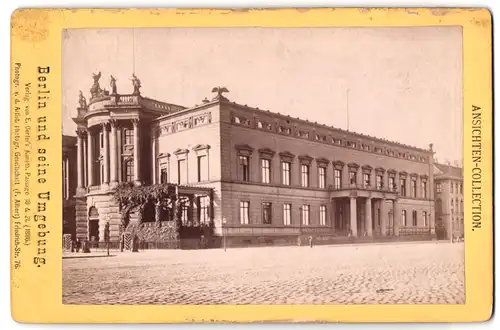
(180,151)
(353,165)
(322,160)
(267,151)
(199,147)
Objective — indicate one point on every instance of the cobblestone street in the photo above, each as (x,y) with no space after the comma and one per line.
(416,273)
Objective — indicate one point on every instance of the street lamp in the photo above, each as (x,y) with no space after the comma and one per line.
(106,234)
(224,233)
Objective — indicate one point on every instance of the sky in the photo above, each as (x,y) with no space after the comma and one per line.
(402,84)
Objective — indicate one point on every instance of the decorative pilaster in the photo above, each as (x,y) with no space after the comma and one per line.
(368,216)
(90,158)
(354,220)
(105,135)
(137,153)
(85,157)
(113,155)
(79,159)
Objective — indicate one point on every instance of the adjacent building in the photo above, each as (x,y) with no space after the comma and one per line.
(449,201)
(69,185)
(255,175)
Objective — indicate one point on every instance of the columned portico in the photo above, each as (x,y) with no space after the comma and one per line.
(368,217)
(396,216)
(90,158)
(137,153)
(105,160)
(113,155)
(79,159)
(353,215)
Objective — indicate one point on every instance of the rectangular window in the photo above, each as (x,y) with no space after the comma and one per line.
(392,183)
(267,213)
(265,165)
(439,187)
(402,183)
(322,177)
(287,214)
(352,177)
(414,188)
(185,215)
(128,136)
(129,170)
(305,215)
(366,179)
(181,171)
(163,175)
(245,168)
(203,209)
(414,218)
(379,182)
(304,171)
(322,215)
(424,217)
(244,212)
(337,182)
(424,189)
(285,173)
(202,168)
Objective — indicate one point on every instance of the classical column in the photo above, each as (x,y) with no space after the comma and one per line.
(137,153)
(105,135)
(368,217)
(119,153)
(79,158)
(353,214)
(153,158)
(396,216)
(383,217)
(85,157)
(113,154)
(90,158)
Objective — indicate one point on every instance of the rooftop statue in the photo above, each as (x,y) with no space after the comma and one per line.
(112,83)
(96,90)
(81,100)
(219,90)
(137,84)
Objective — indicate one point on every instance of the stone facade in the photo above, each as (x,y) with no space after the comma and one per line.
(272,177)
(449,201)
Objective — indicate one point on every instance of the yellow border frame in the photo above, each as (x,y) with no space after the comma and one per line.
(36,40)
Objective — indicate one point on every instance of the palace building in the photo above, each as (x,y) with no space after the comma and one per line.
(449,201)
(255,176)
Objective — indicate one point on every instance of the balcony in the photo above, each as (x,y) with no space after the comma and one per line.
(363,190)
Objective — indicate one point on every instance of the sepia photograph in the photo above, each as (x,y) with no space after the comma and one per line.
(262,166)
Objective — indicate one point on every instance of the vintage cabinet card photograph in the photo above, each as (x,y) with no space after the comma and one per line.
(291,165)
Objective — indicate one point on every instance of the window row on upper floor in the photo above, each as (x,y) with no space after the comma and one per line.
(343,176)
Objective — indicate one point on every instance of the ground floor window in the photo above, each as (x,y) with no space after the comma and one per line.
(203,209)
(244,212)
(267,213)
(287,214)
(305,215)
(414,218)
(322,215)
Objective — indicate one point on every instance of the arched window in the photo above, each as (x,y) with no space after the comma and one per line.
(129,170)
(403,217)
(414,218)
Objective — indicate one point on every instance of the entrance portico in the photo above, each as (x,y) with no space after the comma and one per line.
(363,212)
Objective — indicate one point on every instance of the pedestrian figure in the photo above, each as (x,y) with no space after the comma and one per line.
(77,245)
(310,241)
